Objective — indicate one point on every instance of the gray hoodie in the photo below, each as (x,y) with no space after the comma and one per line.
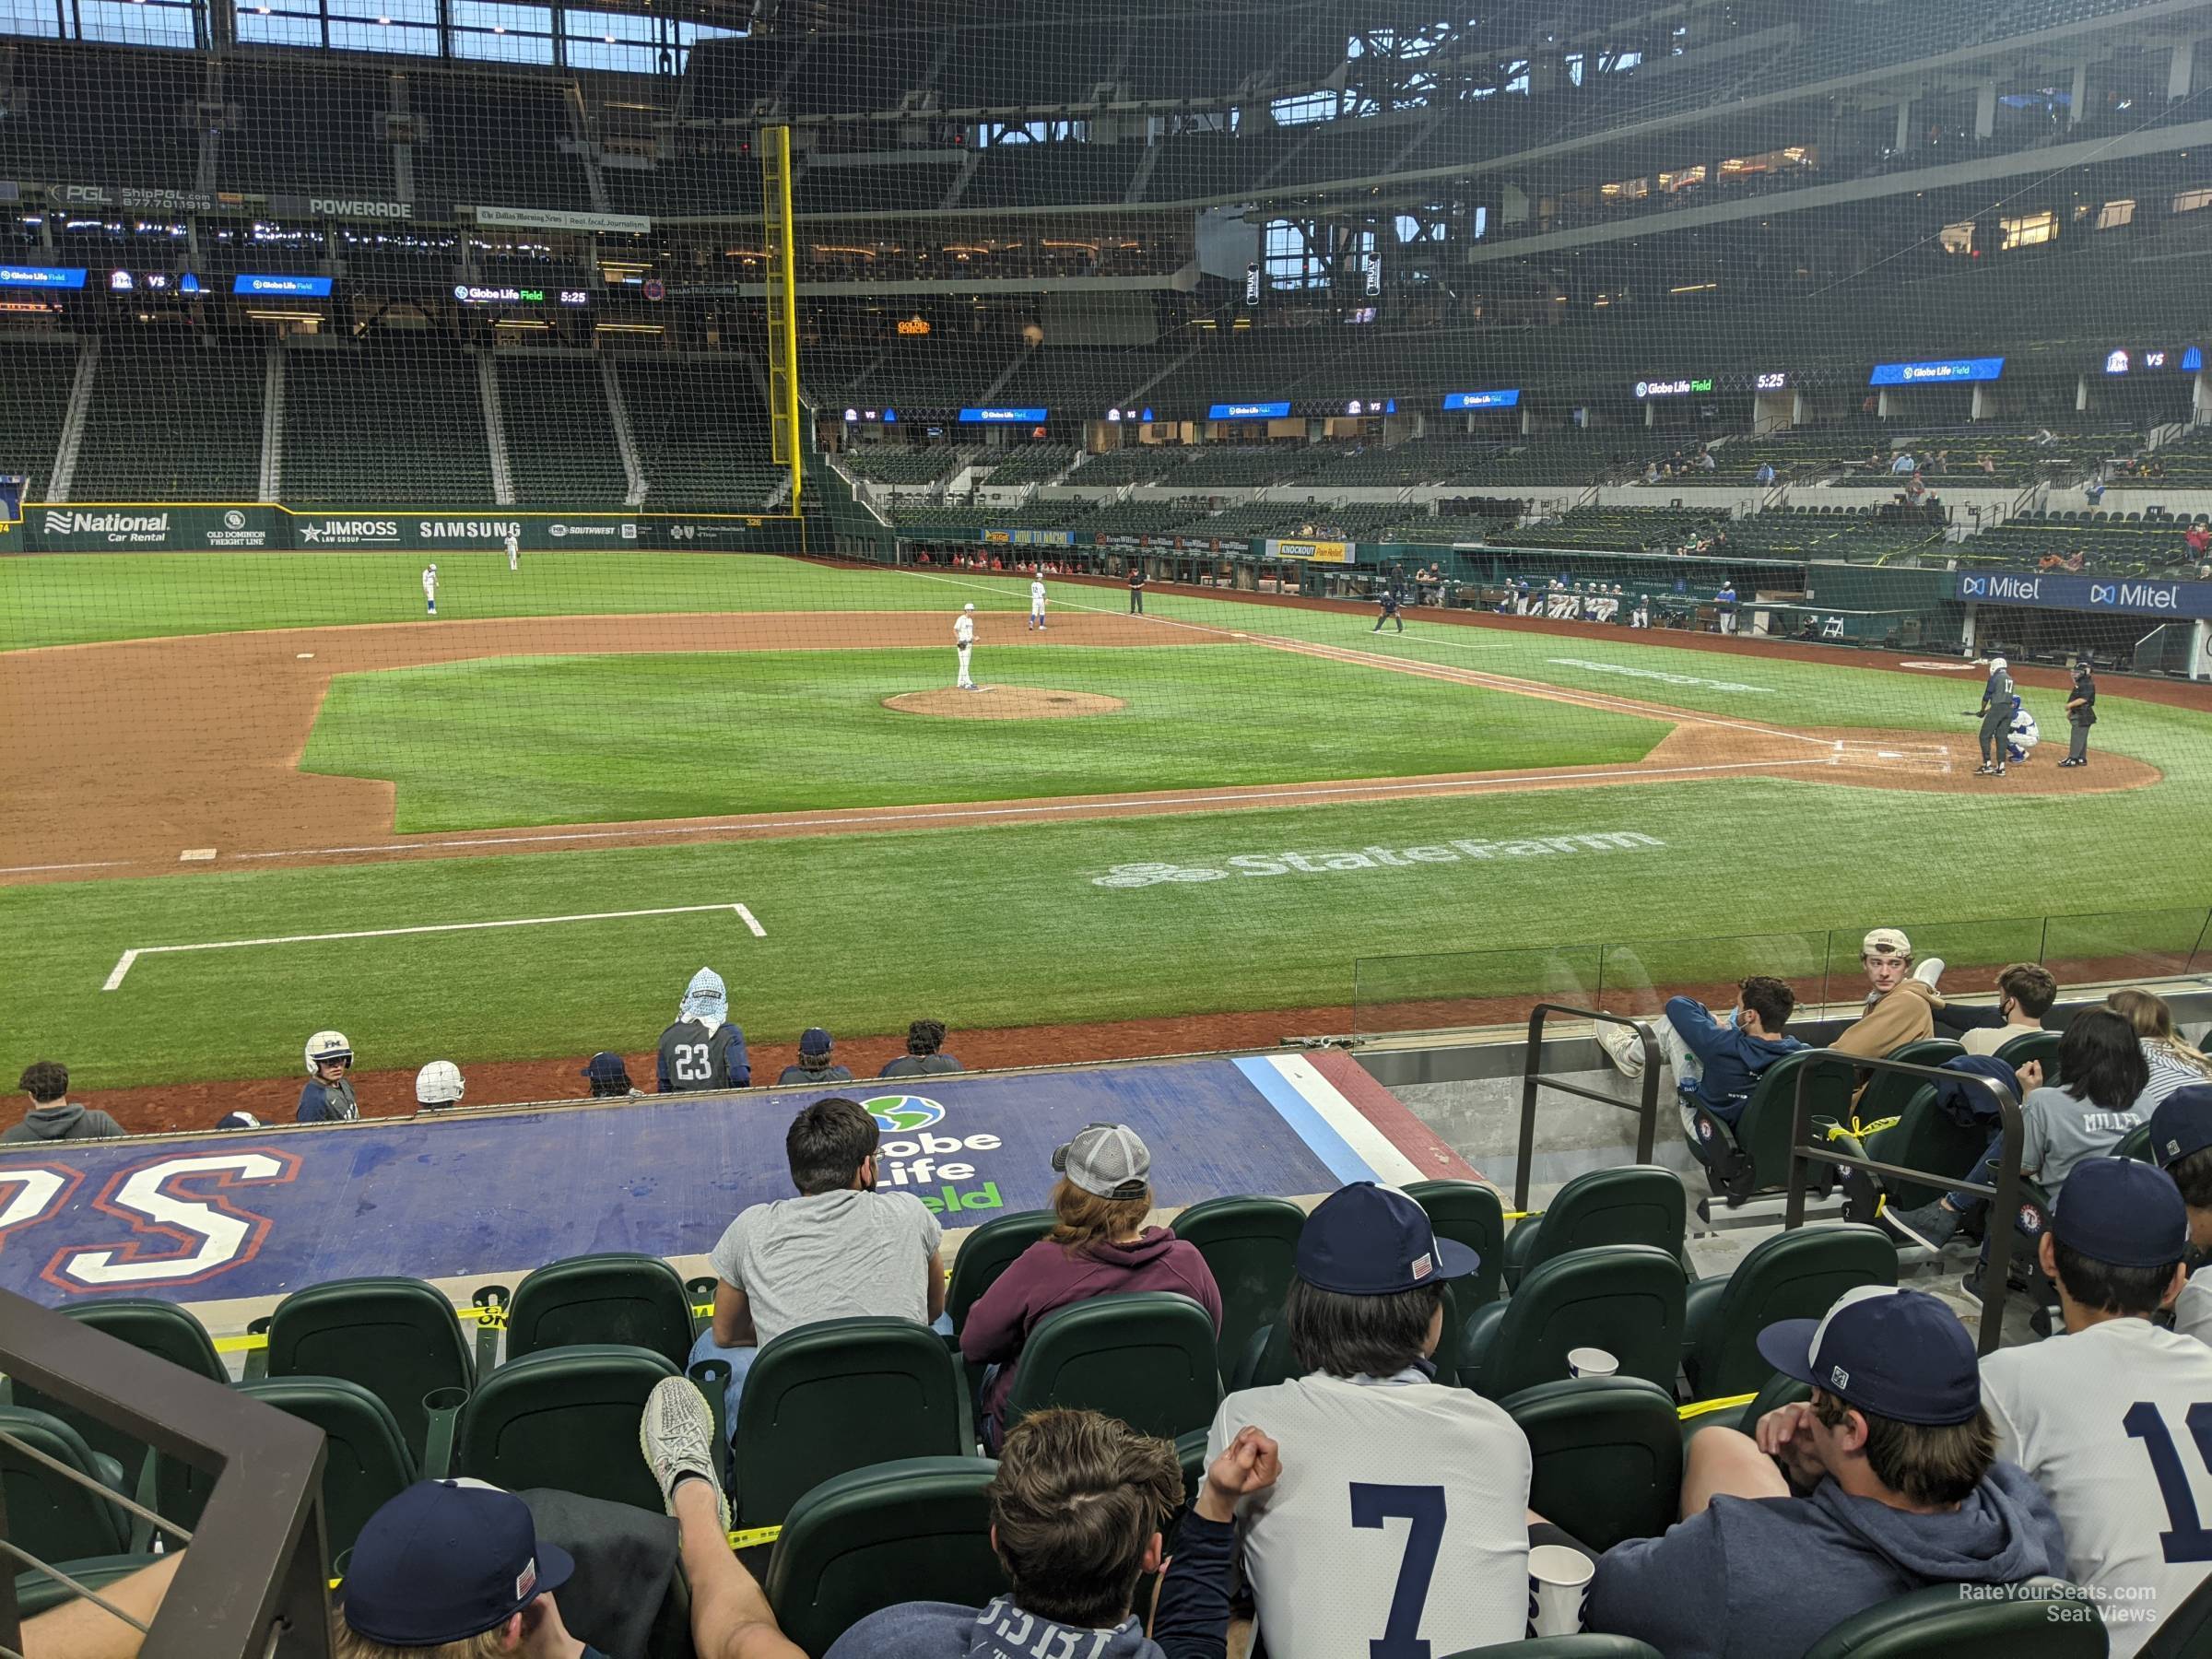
(1756,1578)
(62,1121)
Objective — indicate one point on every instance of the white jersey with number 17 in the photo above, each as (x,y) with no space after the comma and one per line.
(1401,1516)
(2115,1424)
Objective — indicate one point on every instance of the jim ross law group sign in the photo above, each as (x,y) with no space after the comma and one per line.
(2132,596)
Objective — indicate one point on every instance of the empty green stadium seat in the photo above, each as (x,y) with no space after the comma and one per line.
(397,1337)
(36,1593)
(620,1298)
(1147,1359)
(917,1529)
(1790,1276)
(159,1327)
(1626,1299)
(1248,1243)
(1468,1213)
(988,1252)
(365,1460)
(49,1514)
(1946,1621)
(1886,1093)
(1606,1456)
(1925,1137)
(1638,1203)
(825,1399)
(566,1418)
(2040,1046)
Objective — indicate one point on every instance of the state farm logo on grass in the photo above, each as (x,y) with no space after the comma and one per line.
(912,1157)
(1458,851)
(1653,674)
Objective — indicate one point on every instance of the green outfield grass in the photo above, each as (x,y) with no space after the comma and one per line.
(555,740)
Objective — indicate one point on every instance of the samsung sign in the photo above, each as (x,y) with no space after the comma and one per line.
(1943,369)
(2129,595)
(1002,417)
(1251,411)
(59,276)
(292,288)
(1482,400)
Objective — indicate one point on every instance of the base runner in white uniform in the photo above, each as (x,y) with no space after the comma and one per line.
(1401,1517)
(1037,598)
(514,551)
(2110,1418)
(963,641)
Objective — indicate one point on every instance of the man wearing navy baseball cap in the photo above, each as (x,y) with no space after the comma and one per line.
(1366,1312)
(1896,1461)
(2097,1417)
(2181,1143)
(817,1063)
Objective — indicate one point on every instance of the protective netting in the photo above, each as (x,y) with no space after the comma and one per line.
(1485,471)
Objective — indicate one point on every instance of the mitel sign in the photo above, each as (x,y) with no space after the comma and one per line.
(2130,596)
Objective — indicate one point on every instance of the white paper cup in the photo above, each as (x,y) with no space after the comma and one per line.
(1558,1584)
(1591,1362)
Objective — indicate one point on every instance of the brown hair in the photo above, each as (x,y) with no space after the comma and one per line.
(44,1081)
(2030,985)
(826,1144)
(1088,1221)
(1921,1463)
(1077,1498)
(345,1643)
(1768,998)
(2153,1021)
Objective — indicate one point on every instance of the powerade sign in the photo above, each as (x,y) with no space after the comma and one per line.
(1002,417)
(1482,400)
(2128,595)
(1939,370)
(288,288)
(41,277)
(1679,387)
(1251,411)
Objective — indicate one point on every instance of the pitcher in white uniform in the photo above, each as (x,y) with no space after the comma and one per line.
(963,641)
(429,588)
(514,551)
(1037,598)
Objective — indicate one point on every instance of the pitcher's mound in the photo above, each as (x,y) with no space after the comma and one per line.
(1005,702)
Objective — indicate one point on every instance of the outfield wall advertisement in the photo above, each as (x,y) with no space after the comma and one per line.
(2130,595)
(164,527)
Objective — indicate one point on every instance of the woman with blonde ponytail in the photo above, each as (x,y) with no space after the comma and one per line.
(2173,1064)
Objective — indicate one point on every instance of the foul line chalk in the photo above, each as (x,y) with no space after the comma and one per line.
(123,963)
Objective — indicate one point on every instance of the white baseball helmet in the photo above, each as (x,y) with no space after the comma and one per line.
(1999,663)
(328,1048)
(438,1084)
(968,607)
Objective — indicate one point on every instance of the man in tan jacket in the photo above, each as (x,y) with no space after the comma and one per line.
(1900,1008)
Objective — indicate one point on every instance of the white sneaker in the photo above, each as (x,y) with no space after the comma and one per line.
(1928,970)
(676,1434)
(1623,1047)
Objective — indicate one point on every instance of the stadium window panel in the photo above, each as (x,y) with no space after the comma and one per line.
(2029,231)
(1957,237)
(2112,215)
(2189,201)
(262,24)
(1305,107)
(507,34)
(156,23)
(42,18)
(409,26)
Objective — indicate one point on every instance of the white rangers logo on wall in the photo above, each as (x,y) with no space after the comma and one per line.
(1458,851)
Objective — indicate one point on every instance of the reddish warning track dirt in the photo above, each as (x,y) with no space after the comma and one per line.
(207,731)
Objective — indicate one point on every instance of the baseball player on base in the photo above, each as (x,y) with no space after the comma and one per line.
(963,641)
(429,588)
(514,551)
(1037,598)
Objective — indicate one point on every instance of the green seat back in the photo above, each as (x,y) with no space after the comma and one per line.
(1941,1622)
(918,1530)
(1267,1359)
(49,1514)
(1636,1204)
(1763,1130)
(1926,1137)
(567,1417)
(2185,1632)
(2136,1144)
(1887,1093)
(159,1327)
(1790,1276)
(1607,1457)
(827,1398)
(1248,1244)
(397,1337)
(636,1300)
(35,1593)
(1472,1214)
(365,1460)
(1589,1644)
(2034,1046)
(988,1252)
(1626,1299)
(1147,1359)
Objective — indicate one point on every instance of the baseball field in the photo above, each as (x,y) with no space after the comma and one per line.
(244,797)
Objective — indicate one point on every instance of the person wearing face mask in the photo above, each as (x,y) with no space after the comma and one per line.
(838,1250)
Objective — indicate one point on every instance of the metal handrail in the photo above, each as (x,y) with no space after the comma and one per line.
(1647,1108)
(2005,1196)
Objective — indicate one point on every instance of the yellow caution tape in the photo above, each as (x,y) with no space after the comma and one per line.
(1698,1408)
(754,1536)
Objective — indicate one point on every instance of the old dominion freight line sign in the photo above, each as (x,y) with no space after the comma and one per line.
(102,527)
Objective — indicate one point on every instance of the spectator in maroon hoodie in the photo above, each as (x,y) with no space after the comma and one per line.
(1101,1247)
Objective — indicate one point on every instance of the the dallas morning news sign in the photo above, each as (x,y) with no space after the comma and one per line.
(2130,595)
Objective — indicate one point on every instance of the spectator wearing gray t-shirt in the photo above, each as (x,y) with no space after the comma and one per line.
(840,1250)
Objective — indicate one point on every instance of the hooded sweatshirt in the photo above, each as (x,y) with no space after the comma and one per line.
(1190,1621)
(65,1121)
(1754,1577)
(1732,1058)
(1906,1014)
(702,1050)
(1046,1277)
